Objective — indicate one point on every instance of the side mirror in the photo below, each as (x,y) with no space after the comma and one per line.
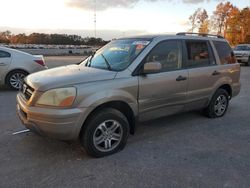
(152,67)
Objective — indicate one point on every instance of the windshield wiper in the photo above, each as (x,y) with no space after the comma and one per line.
(90,59)
(106,61)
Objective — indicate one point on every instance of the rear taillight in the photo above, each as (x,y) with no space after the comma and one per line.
(40,62)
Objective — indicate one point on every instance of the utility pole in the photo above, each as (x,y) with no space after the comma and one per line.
(95,17)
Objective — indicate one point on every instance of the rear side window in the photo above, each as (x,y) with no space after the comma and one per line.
(199,54)
(225,52)
(4,54)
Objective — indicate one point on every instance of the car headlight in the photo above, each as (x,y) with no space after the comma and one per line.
(61,97)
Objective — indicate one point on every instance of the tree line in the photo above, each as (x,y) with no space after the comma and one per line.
(227,20)
(54,39)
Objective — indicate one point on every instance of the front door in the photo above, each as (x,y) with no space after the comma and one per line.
(164,92)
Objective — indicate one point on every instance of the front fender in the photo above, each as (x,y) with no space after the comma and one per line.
(103,97)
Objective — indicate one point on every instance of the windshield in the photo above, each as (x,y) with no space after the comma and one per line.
(118,54)
(242,48)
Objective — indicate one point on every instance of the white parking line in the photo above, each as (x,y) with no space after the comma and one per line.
(20,132)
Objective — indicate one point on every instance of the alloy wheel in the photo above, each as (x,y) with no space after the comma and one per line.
(16,80)
(107,135)
(220,105)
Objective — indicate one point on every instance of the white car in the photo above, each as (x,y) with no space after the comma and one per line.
(242,53)
(15,65)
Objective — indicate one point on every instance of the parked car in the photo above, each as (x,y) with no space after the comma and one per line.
(15,65)
(132,79)
(242,53)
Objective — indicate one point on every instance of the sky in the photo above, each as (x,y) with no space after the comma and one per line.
(114,18)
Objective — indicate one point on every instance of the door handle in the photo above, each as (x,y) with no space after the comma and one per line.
(181,78)
(215,73)
(2,64)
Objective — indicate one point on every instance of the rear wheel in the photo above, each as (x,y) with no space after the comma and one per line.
(218,104)
(105,133)
(14,79)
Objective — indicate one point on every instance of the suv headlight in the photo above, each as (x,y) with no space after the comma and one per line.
(61,97)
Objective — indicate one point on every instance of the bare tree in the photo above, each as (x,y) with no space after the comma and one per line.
(199,20)
(202,19)
(193,20)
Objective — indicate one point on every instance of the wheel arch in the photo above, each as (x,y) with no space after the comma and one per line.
(122,106)
(226,87)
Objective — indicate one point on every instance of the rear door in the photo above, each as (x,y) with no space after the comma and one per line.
(202,70)
(5,60)
(164,92)
(228,67)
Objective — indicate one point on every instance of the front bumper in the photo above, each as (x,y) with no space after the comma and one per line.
(63,124)
(242,59)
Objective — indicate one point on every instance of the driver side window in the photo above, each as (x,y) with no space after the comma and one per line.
(166,53)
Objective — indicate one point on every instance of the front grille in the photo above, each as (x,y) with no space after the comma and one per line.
(238,55)
(27,91)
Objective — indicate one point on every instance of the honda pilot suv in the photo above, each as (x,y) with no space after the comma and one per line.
(100,100)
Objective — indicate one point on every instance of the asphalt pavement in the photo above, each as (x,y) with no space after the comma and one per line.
(183,150)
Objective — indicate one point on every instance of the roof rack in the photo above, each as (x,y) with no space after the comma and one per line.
(200,34)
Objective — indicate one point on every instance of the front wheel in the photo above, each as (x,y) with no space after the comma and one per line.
(14,79)
(218,104)
(105,133)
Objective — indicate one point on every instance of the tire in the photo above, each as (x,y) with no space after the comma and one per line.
(105,133)
(248,62)
(14,79)
(218,104)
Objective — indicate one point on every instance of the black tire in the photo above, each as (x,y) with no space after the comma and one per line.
(92,128)
(248,62)
(212,110)
(19,74)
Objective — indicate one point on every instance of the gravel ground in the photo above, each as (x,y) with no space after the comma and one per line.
(184,150)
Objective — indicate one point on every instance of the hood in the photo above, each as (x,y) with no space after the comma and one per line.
(242,51)
(67,75)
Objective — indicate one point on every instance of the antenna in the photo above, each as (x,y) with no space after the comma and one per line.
(95,17)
